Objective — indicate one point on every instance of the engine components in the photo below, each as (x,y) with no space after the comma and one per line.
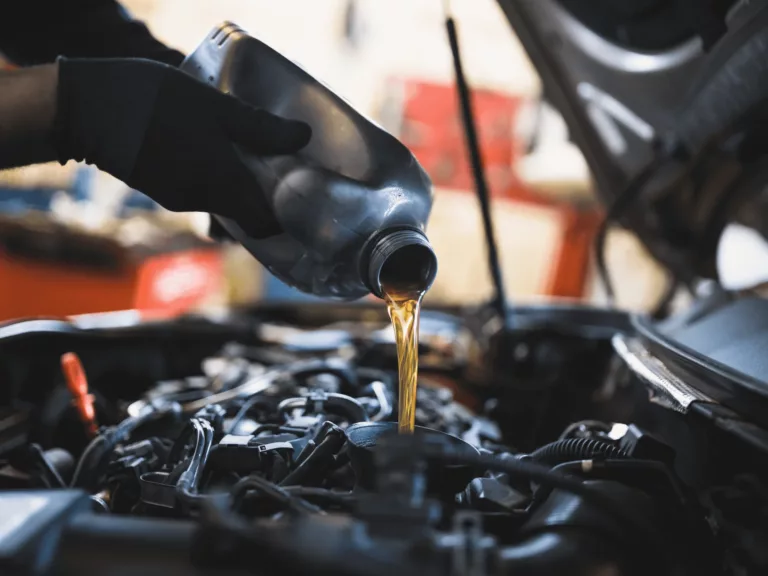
(286,451)
(364,437)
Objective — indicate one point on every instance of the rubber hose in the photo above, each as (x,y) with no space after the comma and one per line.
(577,449)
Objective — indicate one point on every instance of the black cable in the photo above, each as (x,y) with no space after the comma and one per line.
(570,449)
(665,150)
(186,486)
(274,492)
(618,207)
(342,499)
(199,433)
(93,457)
(662,308)
(83,472)
(478,172)
(544,476)
(247,405)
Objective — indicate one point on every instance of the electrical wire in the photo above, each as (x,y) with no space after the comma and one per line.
(247,405)
(571,449)
(662,308)
(616,210)
(250,387)
(342,499)
(187,485)
(274,492)
(665,150)
(84,464)
(93,456)
(546,477)
(255,385)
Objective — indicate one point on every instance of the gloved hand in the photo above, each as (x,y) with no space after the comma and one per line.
(170,136)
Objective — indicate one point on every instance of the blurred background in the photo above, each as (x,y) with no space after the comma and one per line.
(74,240)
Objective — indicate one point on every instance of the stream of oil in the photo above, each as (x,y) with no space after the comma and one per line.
(403,307)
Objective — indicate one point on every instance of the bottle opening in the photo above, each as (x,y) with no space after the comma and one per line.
(408,269)
(403,261)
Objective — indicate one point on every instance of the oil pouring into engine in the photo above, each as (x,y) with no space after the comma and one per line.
(407,270)
(352,205)
(404,309)
(405,267)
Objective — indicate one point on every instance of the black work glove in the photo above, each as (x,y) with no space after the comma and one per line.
(171,137)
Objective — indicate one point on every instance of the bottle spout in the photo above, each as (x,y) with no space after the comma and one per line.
(402,260)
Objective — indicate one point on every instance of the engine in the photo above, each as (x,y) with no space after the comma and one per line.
(268,446)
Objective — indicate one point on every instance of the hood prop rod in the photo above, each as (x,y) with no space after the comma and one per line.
(478,172)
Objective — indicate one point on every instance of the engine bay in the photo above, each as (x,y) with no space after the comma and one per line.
(265,442)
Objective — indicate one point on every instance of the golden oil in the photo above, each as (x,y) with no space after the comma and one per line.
(403,307)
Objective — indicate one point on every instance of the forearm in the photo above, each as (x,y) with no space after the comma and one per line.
(27,112)
(41,30)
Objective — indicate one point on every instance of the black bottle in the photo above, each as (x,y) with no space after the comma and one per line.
(353,204)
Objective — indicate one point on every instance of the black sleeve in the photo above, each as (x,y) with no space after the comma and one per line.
(37,31)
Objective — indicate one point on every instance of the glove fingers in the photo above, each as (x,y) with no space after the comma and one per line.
(262,132)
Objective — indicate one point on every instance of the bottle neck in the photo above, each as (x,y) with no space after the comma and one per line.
(401,259)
